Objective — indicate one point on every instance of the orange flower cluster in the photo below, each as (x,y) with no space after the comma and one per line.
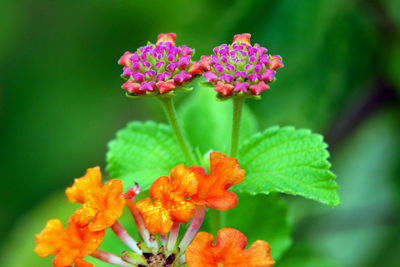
(101,207)
(176,198)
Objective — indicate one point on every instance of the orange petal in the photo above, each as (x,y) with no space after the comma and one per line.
(112,206)
(107,218)
(87,184)
(90,241)
(124,60)
(213,188)
(165,87)
(184,180)
(51,238)
(156,217)
(259,87)
(66,257)
(228,251)
(160,189)
(205,63)
(182,210)
(223,88)
(276,62)
(197,67)
(242,38)
(166,37)
(86,213)
(82,263)
(131,86)
(259,252)
(199,253)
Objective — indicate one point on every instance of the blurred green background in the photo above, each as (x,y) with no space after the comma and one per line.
(60,103)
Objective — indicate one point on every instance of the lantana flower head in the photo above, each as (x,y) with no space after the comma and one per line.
(228,251)
(70,245)
(158,69)
(102,205)
(171,200)
(241,69)
(171,196)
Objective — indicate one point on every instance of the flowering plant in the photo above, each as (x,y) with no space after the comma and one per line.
(174,178)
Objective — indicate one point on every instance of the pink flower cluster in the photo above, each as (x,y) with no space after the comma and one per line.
(241,69)
(157,68)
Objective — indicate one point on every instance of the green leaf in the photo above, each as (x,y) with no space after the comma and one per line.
(208,122)
(289,161)
(262,218)
(142,152)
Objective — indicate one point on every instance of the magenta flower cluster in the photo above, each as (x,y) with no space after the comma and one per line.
(156,68)
(241,69)
(235,70)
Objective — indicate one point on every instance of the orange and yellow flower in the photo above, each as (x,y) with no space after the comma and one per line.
(102,205)
(70,245)
(171,200)
(228,251)
(171,197)
(213,188)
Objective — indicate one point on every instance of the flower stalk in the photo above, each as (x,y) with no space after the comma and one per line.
(170,112)
(164,240)
(109,258)
(125,237)
(237,114)
(173,236)
(194,227)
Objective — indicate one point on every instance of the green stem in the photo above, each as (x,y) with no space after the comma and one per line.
(237,113)
(177,130)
